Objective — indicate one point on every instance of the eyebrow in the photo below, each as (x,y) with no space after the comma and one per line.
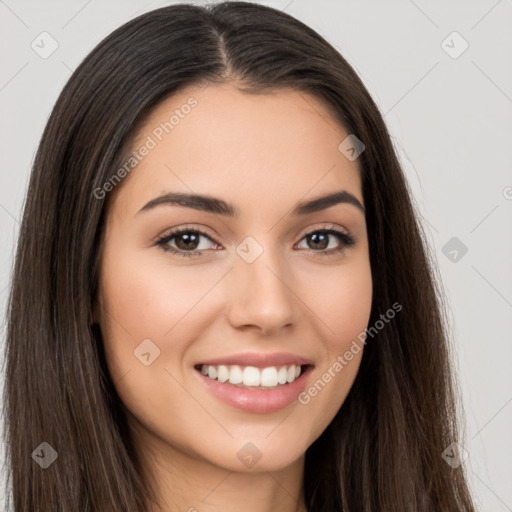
(218,206)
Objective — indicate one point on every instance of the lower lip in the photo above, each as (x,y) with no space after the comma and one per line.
(257,400)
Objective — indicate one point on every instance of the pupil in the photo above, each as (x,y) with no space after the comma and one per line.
(321,240)
(190,241)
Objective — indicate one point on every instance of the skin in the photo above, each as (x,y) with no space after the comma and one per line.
(264,154)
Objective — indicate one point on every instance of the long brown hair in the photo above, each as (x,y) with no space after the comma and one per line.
(382,452)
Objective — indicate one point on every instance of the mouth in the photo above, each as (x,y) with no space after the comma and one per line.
(252,377)
(255,389)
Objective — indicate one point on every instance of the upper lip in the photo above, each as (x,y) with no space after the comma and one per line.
(258,360)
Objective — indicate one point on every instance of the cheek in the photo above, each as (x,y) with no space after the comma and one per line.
(142,296)
(341,301)
(146,298)
(143,301)
(149,298)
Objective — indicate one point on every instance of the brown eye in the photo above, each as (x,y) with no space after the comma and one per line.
(186,242)
(323,241)
(318,240)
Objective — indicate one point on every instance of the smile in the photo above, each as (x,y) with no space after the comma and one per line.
(252,377)
(252,389)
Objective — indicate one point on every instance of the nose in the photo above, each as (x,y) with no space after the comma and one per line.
(261,295)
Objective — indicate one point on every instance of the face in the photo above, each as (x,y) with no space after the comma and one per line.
(226,318)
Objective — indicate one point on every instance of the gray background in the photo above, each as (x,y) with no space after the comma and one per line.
(451,122)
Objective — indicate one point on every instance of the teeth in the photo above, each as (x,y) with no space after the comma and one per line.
(212,372)
(251,376)
(269,376)
(222,373)
(235,375)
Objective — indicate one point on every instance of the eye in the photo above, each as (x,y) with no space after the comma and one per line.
(320,239)
(187,242)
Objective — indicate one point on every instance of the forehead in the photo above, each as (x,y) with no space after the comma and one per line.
(254,148)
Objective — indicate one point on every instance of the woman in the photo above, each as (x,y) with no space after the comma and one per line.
(222,299)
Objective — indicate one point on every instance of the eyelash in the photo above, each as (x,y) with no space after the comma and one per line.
(346,239)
